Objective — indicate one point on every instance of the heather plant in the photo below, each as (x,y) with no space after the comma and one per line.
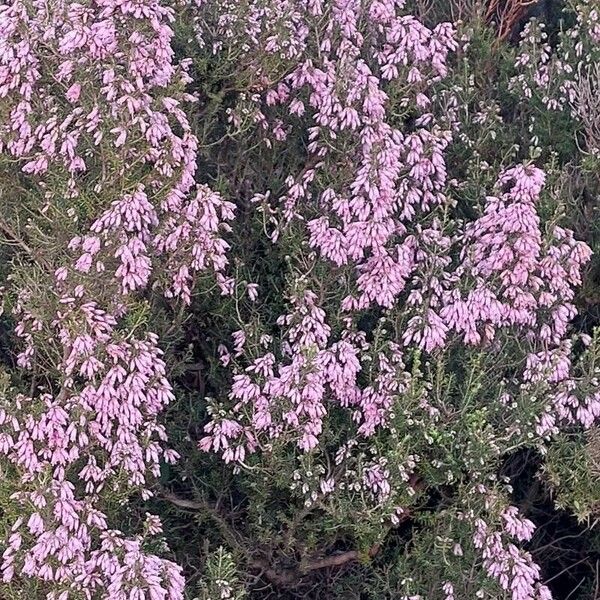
(80,423)
(291,288)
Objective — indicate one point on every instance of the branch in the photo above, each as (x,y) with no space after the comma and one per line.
(226,530)
(182,502)
(277,576)
(506,14)
(337,560)
(13,239)
(293,575)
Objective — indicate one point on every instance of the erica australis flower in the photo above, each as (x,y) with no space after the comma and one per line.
(373,204)
(98,426)
(407,332)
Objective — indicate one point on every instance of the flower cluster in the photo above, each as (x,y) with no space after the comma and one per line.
(375,211)
(415,333)
(513,568)
(92,103)
(518,279)
(563,77)
(131,109)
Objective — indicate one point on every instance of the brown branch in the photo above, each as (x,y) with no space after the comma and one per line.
(277,576)
(292,575)
(506,14)
(183,502)
(13,239)
(337,560)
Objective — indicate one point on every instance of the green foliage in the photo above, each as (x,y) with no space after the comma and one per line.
(572,468)
(255,530)
(221,581)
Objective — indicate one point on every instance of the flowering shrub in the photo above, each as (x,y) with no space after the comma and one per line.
(91,98)
(291,287)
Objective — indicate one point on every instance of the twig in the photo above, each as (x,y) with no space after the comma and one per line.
(565,570)
(183,502)
(292,575)
(224,527)
(576,588)
(13,238)
(277,576)
(506,14)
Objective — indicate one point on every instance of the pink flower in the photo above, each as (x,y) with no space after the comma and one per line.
(73,93)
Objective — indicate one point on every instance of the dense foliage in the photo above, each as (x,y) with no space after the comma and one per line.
(298,299)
